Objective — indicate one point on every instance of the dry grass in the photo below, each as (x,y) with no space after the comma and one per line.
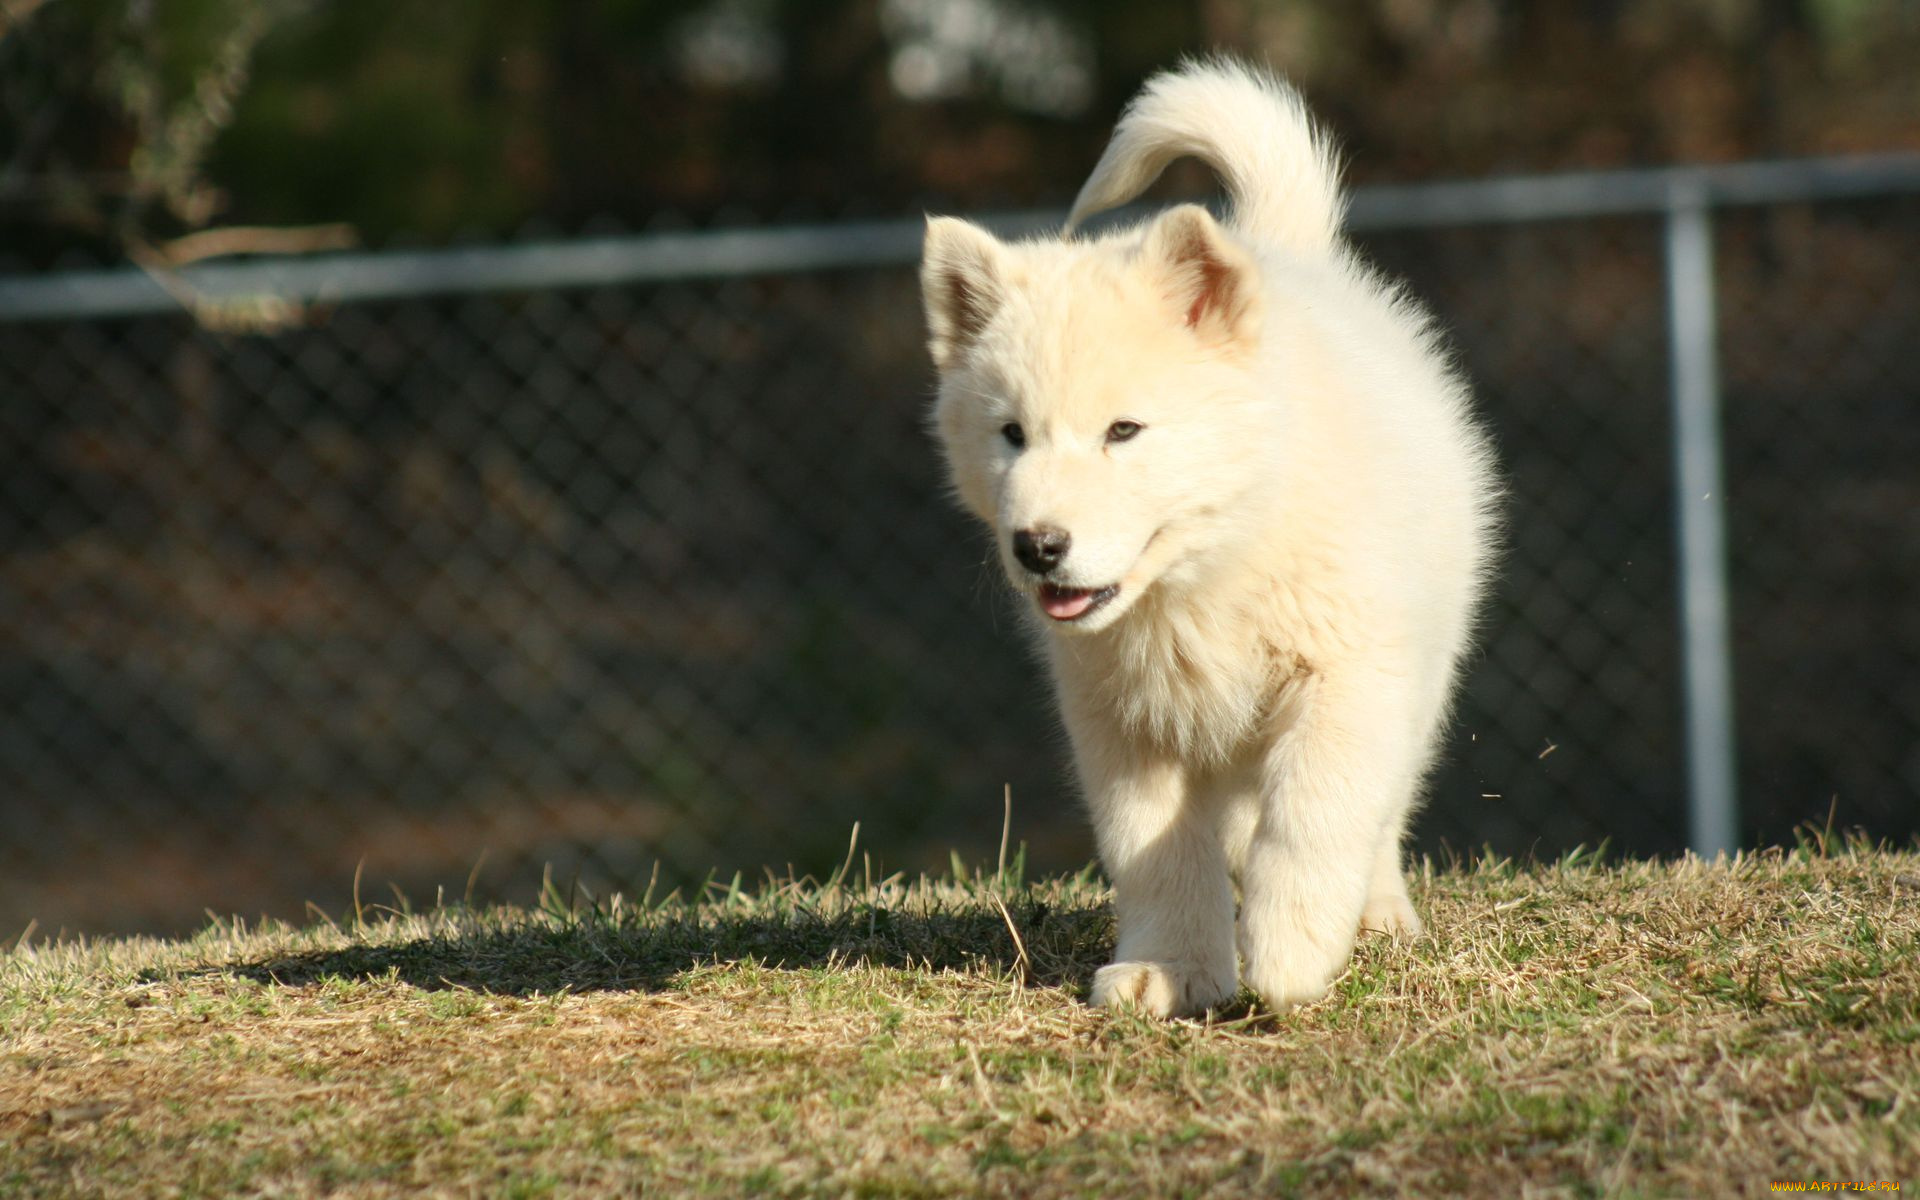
(1570,1029)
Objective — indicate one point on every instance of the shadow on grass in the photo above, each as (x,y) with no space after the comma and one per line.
(1060,943)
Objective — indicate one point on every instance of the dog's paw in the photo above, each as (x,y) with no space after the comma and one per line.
(1391,914)
(1285,986)
(1293,965)
(1161,989)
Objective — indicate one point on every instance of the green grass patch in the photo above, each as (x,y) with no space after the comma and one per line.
(1575,1028)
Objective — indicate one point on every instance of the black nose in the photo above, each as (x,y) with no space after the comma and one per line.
(1041,548)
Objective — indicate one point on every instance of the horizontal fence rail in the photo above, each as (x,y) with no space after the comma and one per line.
(645,258)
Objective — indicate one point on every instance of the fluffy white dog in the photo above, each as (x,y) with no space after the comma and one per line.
(1249,512)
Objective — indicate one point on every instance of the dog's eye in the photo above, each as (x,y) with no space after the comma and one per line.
(1122,431)
(1016,436)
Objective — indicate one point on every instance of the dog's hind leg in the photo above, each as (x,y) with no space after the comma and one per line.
(1388,908)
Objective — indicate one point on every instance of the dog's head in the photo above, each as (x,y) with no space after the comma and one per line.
(1096,405)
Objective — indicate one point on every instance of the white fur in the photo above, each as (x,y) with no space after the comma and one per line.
(1251,128)
(1298,533)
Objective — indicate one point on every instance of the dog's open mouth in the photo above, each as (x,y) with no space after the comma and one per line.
(1070,604)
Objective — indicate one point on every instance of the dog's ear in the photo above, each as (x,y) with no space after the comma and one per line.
(962,276)
(1212,283)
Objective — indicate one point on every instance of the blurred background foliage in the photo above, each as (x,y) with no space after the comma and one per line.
(128,119)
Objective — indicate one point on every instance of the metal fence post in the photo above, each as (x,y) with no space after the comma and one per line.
(1699,503)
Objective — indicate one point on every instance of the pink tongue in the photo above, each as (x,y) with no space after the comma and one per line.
(1063,605)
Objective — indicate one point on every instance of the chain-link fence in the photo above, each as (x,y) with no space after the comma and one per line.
(529,564)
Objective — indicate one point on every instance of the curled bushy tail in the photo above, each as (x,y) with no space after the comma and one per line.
(1249,127)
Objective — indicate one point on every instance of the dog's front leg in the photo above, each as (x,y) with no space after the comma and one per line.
(1172,894)
(1336,788)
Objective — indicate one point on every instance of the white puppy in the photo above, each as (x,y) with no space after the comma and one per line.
(1249,512)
